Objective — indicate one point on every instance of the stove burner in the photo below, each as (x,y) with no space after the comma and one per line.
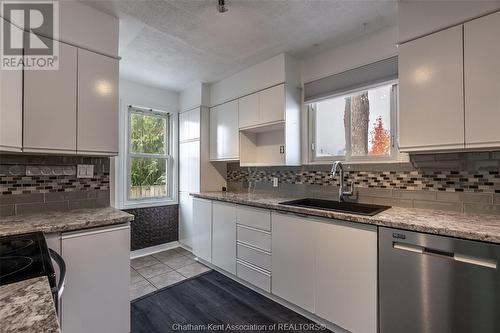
(14,264)
(9,247)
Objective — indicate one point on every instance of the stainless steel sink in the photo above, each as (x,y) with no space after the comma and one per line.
(337,206)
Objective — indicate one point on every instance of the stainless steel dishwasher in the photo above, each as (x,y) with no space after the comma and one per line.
(434,284)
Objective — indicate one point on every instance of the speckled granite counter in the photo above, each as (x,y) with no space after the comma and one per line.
(59,221)
(469,226)
(27,306)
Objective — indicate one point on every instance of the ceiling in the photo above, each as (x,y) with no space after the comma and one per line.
(172,43)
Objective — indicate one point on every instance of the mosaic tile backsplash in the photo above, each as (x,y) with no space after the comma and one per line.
(467,182)
(30,183)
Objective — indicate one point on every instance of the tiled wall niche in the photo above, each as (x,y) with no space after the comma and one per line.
(468,182)
(37,183)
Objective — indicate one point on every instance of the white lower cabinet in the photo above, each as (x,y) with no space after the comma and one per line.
(293,259)
(96,296)
(346,274)
(186,228)
(224,236)
(202,229)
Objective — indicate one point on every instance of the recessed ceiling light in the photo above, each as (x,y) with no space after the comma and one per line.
(221,6)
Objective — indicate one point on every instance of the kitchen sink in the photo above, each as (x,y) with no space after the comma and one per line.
(337,206)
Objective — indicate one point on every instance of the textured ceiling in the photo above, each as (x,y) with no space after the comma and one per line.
(174,42)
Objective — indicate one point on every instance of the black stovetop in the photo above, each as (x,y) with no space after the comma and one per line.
(24,257)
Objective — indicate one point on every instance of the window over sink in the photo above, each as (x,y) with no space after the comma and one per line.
(355,126)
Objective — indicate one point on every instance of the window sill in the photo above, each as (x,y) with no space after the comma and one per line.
(148,203)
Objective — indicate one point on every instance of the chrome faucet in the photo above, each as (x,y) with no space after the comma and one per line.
(338,165)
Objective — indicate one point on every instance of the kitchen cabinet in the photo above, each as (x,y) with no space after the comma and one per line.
(431,100)
(224,236)
(97,104)
(11,104)
(186,228)
(202,229)
(293,259)
(189,125)
(482,84)
(263,107)
(346,274)
(50,106)
(224,136)
(189,166)
(96,295)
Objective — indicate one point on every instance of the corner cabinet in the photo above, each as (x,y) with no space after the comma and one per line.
(97,104)
(224,140)
(431,102)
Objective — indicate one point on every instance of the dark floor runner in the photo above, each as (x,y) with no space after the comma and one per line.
(213,302)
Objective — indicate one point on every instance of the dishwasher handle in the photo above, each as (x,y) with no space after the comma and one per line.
(484,262)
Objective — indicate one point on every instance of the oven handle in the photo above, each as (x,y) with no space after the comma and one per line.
(62,274)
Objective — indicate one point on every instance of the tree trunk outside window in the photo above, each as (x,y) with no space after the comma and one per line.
(360,117)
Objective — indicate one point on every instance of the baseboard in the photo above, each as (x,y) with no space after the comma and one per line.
(153,249)
(293,307)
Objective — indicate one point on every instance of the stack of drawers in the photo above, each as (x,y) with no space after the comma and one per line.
(253,246)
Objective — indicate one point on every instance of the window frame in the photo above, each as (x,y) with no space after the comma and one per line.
(348,158)
(148,201)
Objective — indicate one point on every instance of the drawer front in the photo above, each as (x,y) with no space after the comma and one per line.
(254,237)
(253,256)
(254,217)
(253,276)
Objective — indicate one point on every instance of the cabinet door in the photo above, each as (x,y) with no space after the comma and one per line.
(189,166)
(346,275)
(224,236)
(202,228)
(482,83)
(183,126)
(293,260)
(97,104)
(431,104)
(248,109)
(272,104)
(189,125)
(50,105)
(11,103)
(96,296)
(186,220)
(224,134)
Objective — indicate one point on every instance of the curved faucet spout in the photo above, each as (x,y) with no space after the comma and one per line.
(338,165)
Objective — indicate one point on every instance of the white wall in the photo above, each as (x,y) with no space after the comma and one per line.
(418,18)
(196,94)
(135,94)
(362,51)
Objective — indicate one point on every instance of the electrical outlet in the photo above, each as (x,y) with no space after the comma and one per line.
(85,171)
(275,181)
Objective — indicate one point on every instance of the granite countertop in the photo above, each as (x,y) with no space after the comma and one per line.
(27,306)
(59,221)
(462,225)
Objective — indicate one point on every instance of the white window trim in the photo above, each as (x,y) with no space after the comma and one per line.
(395,156)
(120,178)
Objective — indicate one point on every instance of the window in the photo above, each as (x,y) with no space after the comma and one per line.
(149,163)
(355,126)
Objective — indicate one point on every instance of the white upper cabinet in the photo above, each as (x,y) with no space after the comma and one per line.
(431,101)
(11,106)
(263,107)
(248,110)
(189,125)
(272,104)
(50,105)
(224,138)
(293,260)
(346,275)
(97,104)
(224,236)
(482,82)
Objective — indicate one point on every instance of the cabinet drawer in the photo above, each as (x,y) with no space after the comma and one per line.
(254,217)
(253,256)
(256,277)
(254,237)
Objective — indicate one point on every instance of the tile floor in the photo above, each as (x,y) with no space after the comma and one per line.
(162,269)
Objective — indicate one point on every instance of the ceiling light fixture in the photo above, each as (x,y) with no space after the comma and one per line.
(221,6)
